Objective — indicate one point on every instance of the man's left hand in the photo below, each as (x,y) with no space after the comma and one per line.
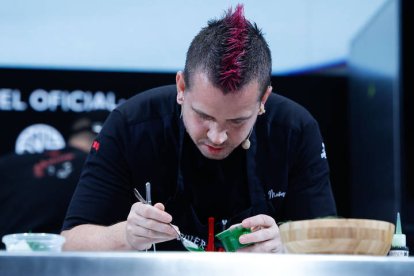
(265,235)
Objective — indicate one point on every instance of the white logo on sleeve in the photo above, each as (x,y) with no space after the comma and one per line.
(323,153)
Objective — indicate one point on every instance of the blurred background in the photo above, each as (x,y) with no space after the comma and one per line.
(346,61)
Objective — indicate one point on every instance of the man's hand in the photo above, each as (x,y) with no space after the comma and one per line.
(148,224)
(265,235)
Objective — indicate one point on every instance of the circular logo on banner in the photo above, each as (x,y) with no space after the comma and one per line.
(38,138)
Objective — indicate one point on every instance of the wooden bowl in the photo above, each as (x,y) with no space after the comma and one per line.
(337,236)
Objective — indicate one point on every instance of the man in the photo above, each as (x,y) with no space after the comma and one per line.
(230,149)
(35,189)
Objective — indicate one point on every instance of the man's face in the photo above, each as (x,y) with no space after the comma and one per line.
(218,123)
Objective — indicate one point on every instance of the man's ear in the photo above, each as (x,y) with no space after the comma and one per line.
(179,79)
(266,94)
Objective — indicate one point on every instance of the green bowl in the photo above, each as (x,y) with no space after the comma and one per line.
(230,238)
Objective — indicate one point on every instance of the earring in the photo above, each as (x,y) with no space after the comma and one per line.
(262,109)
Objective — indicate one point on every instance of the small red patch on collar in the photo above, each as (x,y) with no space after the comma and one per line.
(95,145)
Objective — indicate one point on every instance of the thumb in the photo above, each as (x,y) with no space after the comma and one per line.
(159,206)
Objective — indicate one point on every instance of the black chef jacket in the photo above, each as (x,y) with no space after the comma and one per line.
(284,174)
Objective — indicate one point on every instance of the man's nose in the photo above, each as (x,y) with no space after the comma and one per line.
(217,135)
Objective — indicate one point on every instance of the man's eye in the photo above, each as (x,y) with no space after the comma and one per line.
(237,122)
(204,117)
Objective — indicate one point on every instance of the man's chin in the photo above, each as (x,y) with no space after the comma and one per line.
(215,156)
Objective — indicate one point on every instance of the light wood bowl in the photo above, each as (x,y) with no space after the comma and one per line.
(337,236)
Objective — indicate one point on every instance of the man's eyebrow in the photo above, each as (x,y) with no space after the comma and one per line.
(243,118)
(240,118)
(201,112)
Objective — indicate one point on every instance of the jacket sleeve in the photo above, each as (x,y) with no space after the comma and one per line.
(103,194)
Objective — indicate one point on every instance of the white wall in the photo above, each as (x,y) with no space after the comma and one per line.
(153,35)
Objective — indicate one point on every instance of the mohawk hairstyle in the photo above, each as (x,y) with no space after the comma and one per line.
(231,70)
(232,52)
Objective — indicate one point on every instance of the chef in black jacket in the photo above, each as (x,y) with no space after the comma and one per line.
(217,144)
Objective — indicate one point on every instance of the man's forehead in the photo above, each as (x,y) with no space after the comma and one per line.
(228,115)
(211,101)
(200,80)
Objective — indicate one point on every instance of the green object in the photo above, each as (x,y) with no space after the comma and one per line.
(398,230)
(398,245)
(230,238)
(398,240)
(37,246)
(190,246)
(195,249)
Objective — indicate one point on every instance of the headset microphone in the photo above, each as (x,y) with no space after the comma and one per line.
(246,143)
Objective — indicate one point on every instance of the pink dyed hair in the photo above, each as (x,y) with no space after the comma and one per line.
(231,69)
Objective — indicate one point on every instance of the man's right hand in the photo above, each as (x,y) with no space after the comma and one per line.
(148,224)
